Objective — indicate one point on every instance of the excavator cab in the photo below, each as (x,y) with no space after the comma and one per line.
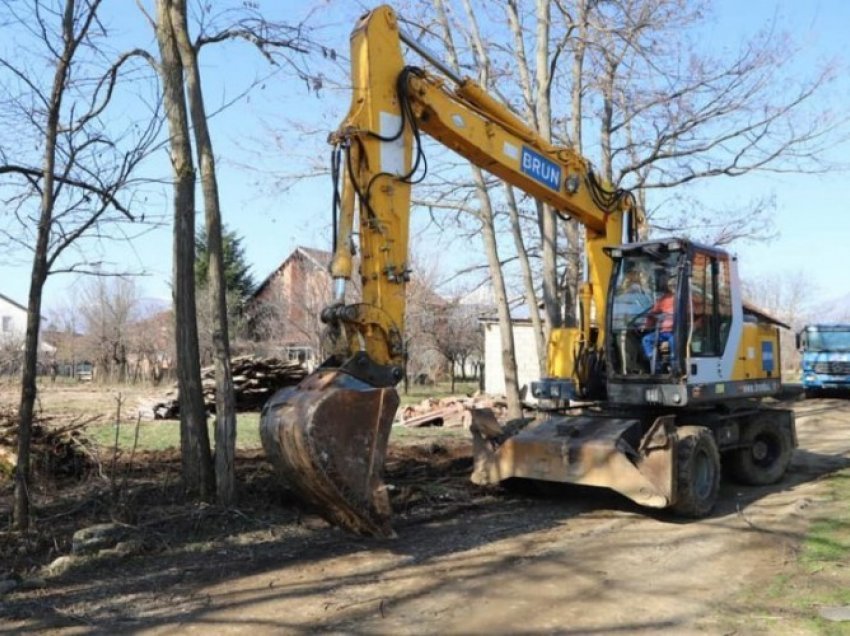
(677,326)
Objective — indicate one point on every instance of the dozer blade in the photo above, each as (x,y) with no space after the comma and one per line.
(608,451)
(327,437)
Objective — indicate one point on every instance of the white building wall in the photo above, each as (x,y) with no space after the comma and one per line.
(13,321)
(526,354)
(13,329)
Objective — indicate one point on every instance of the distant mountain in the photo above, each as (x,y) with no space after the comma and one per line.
(152,306)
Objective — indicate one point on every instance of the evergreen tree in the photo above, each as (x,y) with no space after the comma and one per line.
(238,279)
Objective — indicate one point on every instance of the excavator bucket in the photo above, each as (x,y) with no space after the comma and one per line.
(608,451)
(327,437)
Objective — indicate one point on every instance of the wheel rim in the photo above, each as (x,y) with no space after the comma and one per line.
(703,475)
(765,450)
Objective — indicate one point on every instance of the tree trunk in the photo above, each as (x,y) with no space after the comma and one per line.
(527,283)
(546,215)
(194,438)
(607,119)
(488,234)
(29,375)
(537,111)
(225,400)
(488,231)
(572,272)
(21,510)
(572,231)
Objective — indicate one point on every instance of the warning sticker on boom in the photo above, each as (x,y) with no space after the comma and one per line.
(541,169)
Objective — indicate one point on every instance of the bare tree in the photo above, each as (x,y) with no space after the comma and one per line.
(535,85)
(65,333)
(85,170)
(225,414)
(180,65)
(455,333)
(108,307)
(666,124)
(422,360)
(196,458)
(485,215)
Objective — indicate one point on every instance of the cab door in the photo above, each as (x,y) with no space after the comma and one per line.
(710,350)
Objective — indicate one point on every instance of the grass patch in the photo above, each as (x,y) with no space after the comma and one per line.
(403,436)
(163,434)
(818,578)
(67,400)
(829,541)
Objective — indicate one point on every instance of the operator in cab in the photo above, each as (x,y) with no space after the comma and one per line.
(659,324)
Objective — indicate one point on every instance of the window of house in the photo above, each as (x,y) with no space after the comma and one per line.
(7,324)
(301,354)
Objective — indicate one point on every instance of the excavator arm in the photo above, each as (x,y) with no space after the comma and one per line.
(328,435)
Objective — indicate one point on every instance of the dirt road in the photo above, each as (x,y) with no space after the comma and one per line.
(578,563)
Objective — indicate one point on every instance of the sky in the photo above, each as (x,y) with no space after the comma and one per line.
(811,214)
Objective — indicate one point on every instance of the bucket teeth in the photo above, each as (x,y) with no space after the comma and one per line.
(327,437)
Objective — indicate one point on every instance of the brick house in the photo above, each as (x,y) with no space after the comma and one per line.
(284,310)
(284,315)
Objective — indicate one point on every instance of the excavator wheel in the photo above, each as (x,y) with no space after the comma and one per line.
(766,454)
(327,437)
(697,471)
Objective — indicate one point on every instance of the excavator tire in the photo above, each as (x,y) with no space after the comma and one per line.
(766,454)
(697,471)
(327,438)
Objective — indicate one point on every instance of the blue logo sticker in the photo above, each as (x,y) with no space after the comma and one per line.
(541,169)
(767,356)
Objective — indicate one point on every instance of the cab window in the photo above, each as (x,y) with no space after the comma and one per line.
(724,299)
(711,302)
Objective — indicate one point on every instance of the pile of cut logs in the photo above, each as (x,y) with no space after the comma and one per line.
(55,450)
(254,381)
(450,411)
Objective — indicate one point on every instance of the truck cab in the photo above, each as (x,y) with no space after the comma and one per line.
(825,359)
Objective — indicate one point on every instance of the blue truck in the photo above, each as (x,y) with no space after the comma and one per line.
(826,357)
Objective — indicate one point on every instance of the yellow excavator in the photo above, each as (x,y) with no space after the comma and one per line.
(668,362)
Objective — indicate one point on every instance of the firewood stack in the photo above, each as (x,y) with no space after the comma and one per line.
(450,411)
(254,381)
(56,451)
